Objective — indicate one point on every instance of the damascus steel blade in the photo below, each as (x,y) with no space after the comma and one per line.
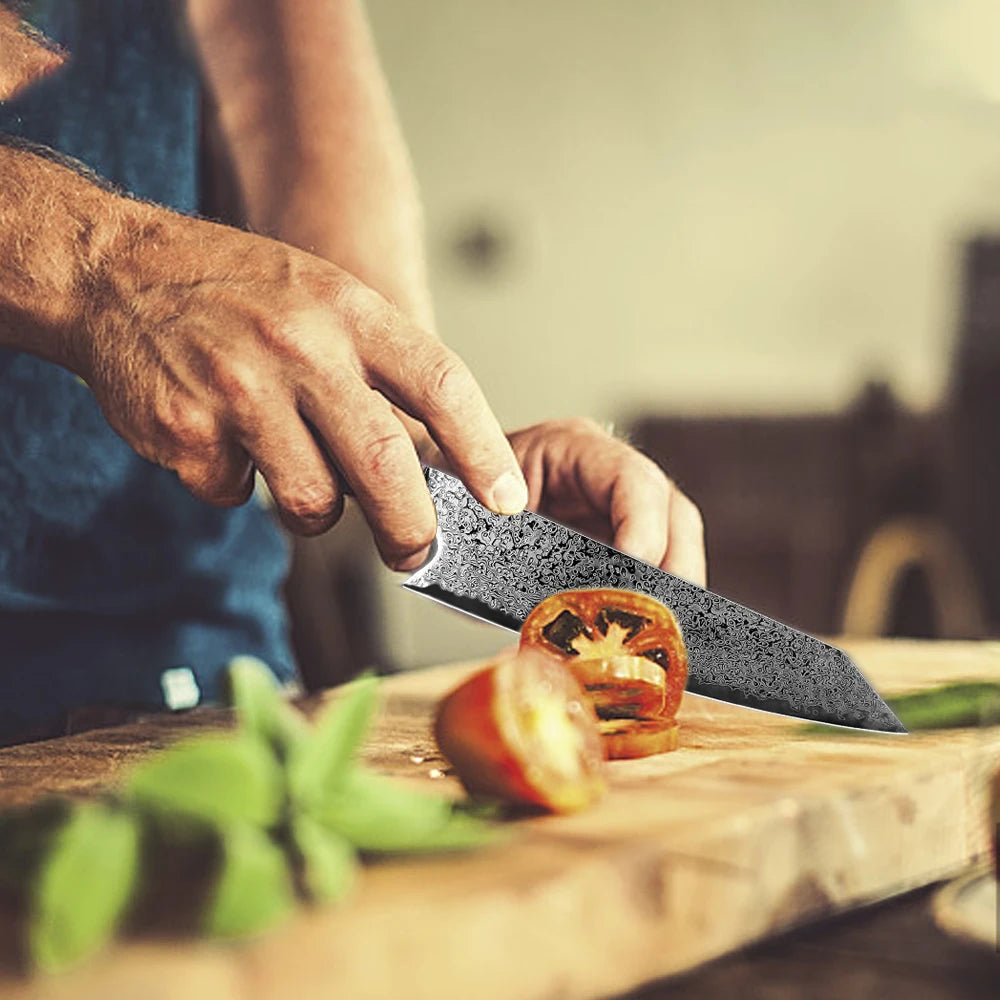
(498,568)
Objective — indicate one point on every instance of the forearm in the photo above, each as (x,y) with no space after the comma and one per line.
(316,146)
(57,228)
(23,57)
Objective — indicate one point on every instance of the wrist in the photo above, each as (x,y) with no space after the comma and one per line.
(106,274)
(52,220)
(366,247)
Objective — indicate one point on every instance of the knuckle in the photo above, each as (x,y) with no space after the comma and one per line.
(273,331)
(293,339)
(209,360)
(412,538)
(189,429)
(197,477)
(310,502)
(362,311)
(449,384)
(234,483)
(382,454)
(218,483)
(331,382)
(234,380)
(241,386)
(234,496)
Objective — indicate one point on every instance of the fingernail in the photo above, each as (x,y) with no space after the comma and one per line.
(413,562)
(510,494)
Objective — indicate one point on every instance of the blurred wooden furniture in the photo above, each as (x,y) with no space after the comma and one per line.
(790,502)
(973,414)
(905,544)
(754,826)
(797,507)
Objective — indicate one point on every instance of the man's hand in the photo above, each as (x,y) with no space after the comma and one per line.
(212,351)
(328,171)
(581,475)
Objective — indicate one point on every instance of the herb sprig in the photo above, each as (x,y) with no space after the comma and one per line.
(284,808)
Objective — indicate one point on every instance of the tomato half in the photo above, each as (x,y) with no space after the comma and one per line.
(523,730)
(584,626)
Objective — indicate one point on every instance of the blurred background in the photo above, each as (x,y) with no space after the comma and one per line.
(758,235)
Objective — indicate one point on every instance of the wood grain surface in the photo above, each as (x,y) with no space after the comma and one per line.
(753,826)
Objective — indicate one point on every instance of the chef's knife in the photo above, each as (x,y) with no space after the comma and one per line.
(499,567)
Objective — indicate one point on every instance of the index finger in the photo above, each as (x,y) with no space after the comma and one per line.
(431,382)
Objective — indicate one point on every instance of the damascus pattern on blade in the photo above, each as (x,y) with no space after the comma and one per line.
(510,564)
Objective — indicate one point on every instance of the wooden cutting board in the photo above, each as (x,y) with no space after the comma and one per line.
(752,826)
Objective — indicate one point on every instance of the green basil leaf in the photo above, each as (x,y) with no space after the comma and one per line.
(329,862)
(216,779)
(486,809)
(25,835)
(84,885)
(253,891)
(317,765)
(950,706)
(261,707)
(379,814)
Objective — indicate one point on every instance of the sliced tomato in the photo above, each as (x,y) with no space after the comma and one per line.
(582,626)
(523,730)
(622,687)
(627,738)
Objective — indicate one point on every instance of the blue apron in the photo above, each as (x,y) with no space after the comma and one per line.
(116,586)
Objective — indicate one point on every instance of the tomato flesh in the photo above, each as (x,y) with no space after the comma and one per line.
(622,686)
(522,730)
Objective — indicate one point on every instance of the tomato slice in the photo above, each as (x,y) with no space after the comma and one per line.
(603,625)
(628,738)
(523,730)
(622,687)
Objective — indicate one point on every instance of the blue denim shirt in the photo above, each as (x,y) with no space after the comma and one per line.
(110,572)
